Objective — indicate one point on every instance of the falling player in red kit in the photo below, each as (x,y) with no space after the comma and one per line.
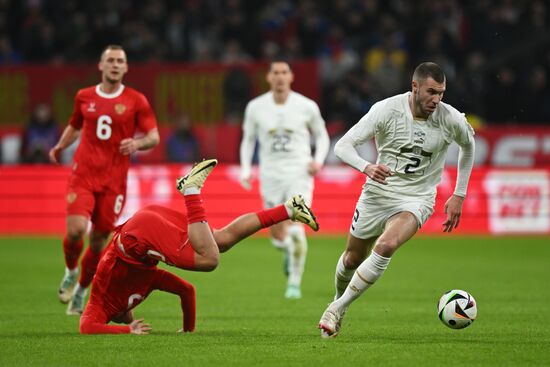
(128,271)
(105,117)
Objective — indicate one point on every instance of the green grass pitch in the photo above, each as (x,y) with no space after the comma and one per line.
(243,319)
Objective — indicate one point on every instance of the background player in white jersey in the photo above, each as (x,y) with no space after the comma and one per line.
(283,122)
(412,133)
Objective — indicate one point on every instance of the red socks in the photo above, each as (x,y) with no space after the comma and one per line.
(72,251)
(272,216)
(195,210)
(88,266)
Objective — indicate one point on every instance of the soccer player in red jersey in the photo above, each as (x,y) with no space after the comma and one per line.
(105,117)
(128,271)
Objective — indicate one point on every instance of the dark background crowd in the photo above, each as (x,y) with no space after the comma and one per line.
(496,53)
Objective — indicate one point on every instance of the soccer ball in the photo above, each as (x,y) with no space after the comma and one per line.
(457,309)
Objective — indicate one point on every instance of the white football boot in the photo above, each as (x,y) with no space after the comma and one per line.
(65,291)
(76,306)
(301,212)
(197,175)
(331,322)
(293,292)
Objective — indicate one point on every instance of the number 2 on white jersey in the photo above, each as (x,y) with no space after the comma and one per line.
(104,130)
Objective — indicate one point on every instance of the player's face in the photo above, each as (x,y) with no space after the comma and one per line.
(427,94)
(280,77)
(113,65)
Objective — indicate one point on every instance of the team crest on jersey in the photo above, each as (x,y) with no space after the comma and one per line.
(71,197)
(91,107)
(120,108)
(419,137)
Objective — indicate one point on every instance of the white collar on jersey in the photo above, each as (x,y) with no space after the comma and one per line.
(115,94)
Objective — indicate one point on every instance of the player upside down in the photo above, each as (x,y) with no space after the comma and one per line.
(128,273)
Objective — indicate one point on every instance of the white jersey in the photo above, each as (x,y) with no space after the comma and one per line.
(414,150)
(284,134)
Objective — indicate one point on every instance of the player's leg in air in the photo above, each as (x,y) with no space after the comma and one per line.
(207,243)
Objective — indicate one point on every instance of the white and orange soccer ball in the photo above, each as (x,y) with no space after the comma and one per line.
(457,309)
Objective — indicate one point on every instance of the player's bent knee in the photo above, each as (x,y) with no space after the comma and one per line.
(352,260)
(75,233)
(207,263)
(386,247)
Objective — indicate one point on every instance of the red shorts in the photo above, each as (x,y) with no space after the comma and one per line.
(101,207)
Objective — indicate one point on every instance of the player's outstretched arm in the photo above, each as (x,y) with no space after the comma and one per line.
(94,321)
(69,136)
(168,282)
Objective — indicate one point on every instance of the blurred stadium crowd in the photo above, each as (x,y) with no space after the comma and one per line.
(495,52)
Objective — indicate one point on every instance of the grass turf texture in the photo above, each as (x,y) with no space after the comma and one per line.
(243,319)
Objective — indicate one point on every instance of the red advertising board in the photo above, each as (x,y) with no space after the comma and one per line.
(500,201)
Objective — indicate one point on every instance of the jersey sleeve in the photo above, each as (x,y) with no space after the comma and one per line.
(463,131)
(168,282)
(248,141)
(77,119)
(94,321)
(319,130)
(360,133)
(464,137)
(146,120)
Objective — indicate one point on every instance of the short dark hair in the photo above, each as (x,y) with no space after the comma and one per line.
(429,70)
(110,47)
(279,59)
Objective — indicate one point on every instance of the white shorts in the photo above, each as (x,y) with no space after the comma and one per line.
(373,211)
(277,192)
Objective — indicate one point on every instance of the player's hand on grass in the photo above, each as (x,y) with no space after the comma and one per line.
(55,153)
(128,146)
(139,327)
(378,172)
(453,209)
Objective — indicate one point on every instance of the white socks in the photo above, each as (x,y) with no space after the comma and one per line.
(281,245)
(71,272)
(297,252)
(342,277)
(191,191)
(366,274)
(78,290)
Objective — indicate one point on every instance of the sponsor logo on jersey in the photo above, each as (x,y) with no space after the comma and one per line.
(71,197)
(91,107)
(120,108)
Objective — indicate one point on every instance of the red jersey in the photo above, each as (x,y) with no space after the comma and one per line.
(156,233)
(119,286)
(105,120)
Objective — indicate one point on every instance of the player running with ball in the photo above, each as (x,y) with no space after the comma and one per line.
(412,133)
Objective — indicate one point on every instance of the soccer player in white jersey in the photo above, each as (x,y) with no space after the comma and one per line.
(412,132)
(284,122)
